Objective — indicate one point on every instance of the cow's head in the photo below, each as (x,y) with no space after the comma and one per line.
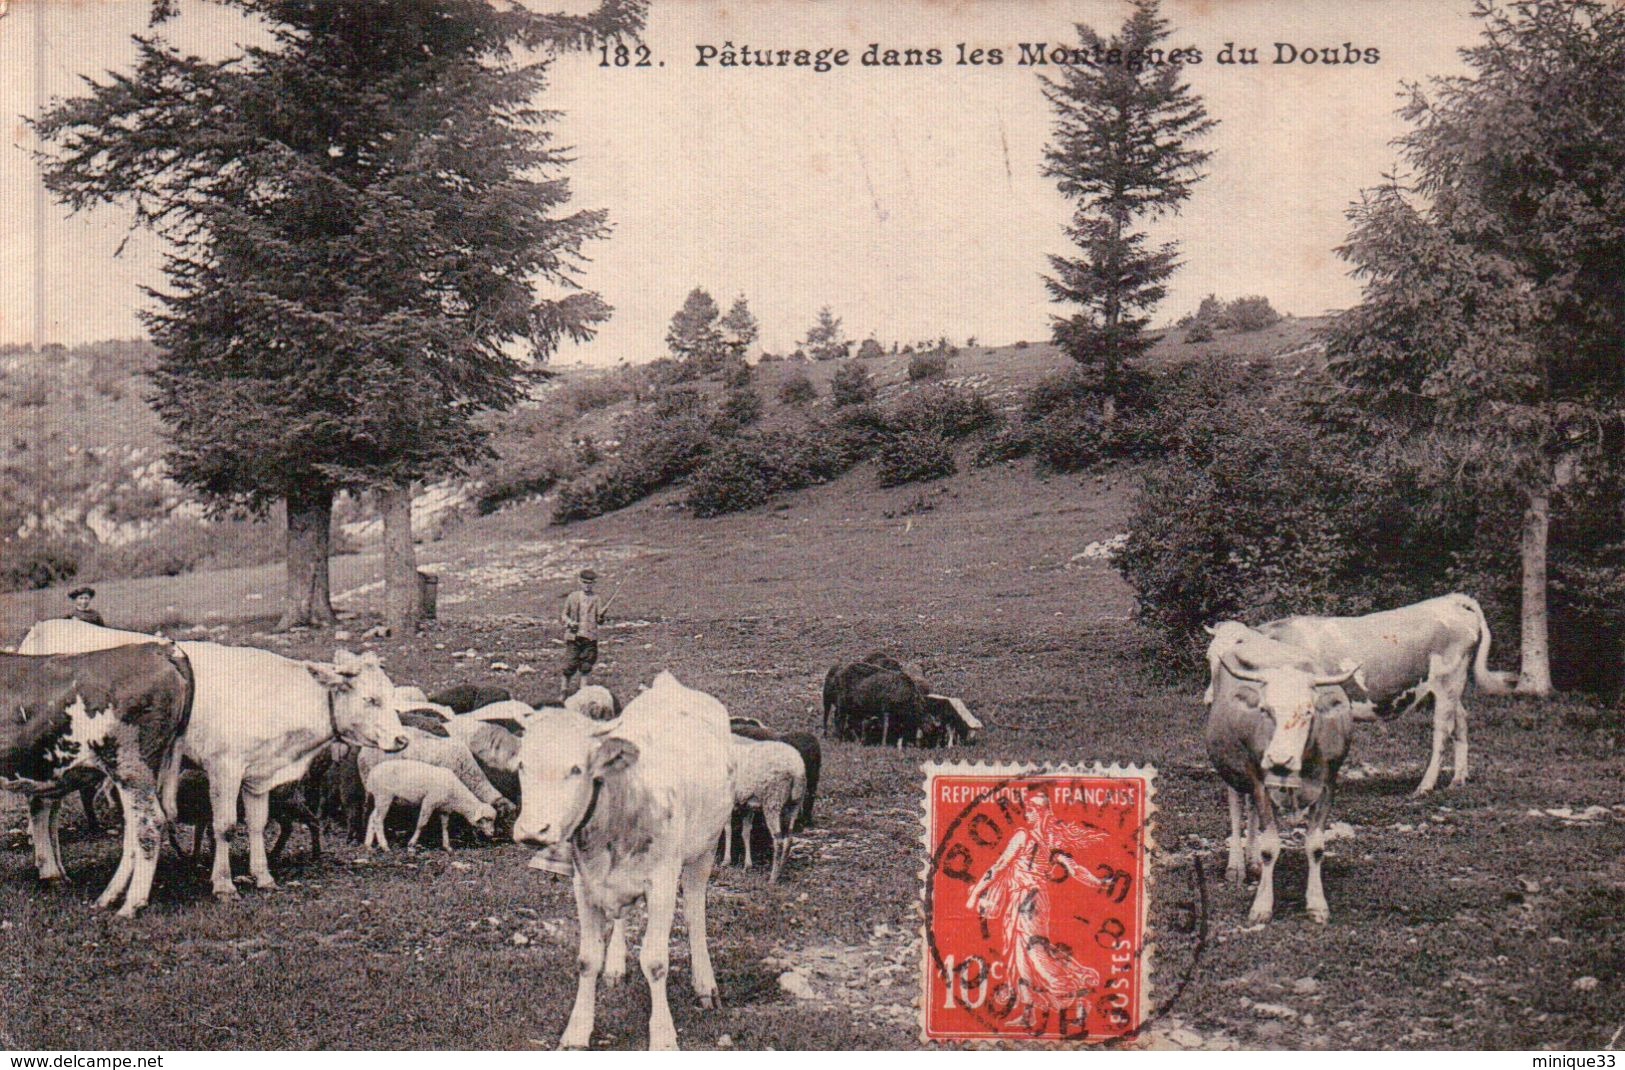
(1290,698)
(564,759)
(362,701)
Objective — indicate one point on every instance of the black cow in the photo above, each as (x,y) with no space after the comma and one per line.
(71,718)
(466,698)
(288,806)
(874,703)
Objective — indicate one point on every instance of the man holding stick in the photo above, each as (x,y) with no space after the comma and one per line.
(583,613)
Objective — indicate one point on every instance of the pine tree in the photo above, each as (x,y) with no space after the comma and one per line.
(1488,340)
(824,339)
(739,328)
(1120,151)
(694,335)
(358,219)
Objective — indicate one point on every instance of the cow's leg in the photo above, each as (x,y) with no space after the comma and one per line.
(589,964)
(284,829)
(225,783)
(1269,847)
(1235,866)
(1443,722)
(445,832)
(728,842)
(696,877)
(747,830)
(1450,681)
(143,822)
(126,865)
(655,958)
(41,821)
(87,799)
(1314,850)
(885,726)
(1255,862)
(256,813)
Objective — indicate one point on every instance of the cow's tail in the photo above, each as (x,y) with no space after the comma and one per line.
(1487,681)
(169,771)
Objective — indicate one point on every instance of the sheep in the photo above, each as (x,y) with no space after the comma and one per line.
(595,701)
(434,789)
(450,754)
(495,748)
(768,776)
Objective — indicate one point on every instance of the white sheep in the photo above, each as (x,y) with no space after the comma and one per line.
(595,701)
(433,789)
(768,777)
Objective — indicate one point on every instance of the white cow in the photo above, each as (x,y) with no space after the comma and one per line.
(640,802)
(258,719)
(1405,655)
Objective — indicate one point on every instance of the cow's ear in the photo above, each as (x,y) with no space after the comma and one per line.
(329,676)
(613,756)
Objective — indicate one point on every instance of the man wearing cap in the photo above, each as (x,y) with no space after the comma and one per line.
(583,613)
(81,598)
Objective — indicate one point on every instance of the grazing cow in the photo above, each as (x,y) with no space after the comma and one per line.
(1406,656)
(258,719)
(72,718)
(805,743)
(640,802)
(949,722)
(769,778)
(466,698)
(1277,732)
(870,701)
(433,789)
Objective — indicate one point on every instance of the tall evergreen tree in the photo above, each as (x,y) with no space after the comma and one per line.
(739,328)
(825,339)
(1490,341)
(694,335)
(365,222)
(1121,152)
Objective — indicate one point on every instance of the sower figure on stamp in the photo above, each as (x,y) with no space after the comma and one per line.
(1043,976)
(583,613)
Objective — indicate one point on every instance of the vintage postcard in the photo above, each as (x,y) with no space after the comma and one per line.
(501,499)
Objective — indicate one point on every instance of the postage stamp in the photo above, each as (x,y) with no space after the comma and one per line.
(1035,898)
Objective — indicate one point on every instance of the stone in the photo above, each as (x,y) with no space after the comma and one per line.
(795,983)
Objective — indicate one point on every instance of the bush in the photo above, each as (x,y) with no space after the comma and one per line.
(1248,314)
(856,432)
(914,456)
(870,349)
(947,411)
(751,469)
(927,366)
(797,389)
(1198,331)
(852,385)
(739,409)
(530,472)
(31,390)
(39,561)
(659,445)
(597,391)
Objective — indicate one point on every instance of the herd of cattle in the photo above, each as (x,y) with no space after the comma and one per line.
(636,801)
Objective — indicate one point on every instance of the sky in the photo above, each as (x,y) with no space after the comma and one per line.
(909,200)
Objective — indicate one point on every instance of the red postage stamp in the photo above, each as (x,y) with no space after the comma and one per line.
(1035,902)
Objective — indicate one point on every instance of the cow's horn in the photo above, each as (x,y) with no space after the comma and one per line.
(1343,677)
(1232,663)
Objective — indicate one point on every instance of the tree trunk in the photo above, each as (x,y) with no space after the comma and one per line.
(402,608)
(1535,673)
(307,601)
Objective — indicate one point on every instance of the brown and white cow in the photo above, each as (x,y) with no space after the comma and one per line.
(72,717)
(1406,656)
(1278,731)
(257,722)
(640,803)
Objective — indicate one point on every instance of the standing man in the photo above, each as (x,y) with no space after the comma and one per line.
(81,597)
(583,613)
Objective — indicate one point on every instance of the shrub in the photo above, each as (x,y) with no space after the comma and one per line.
(852,385)
(914,456)
(739,409)
(1007,443)
(947,411)
(1198,331)
(736,372)
(1248,314)
(39,561)
(659,445)
(31,390)
(530,472)
(598,391)
(927,366)
(797,389)
(749,470)
(1021,344)
(870,349)
(856,432)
